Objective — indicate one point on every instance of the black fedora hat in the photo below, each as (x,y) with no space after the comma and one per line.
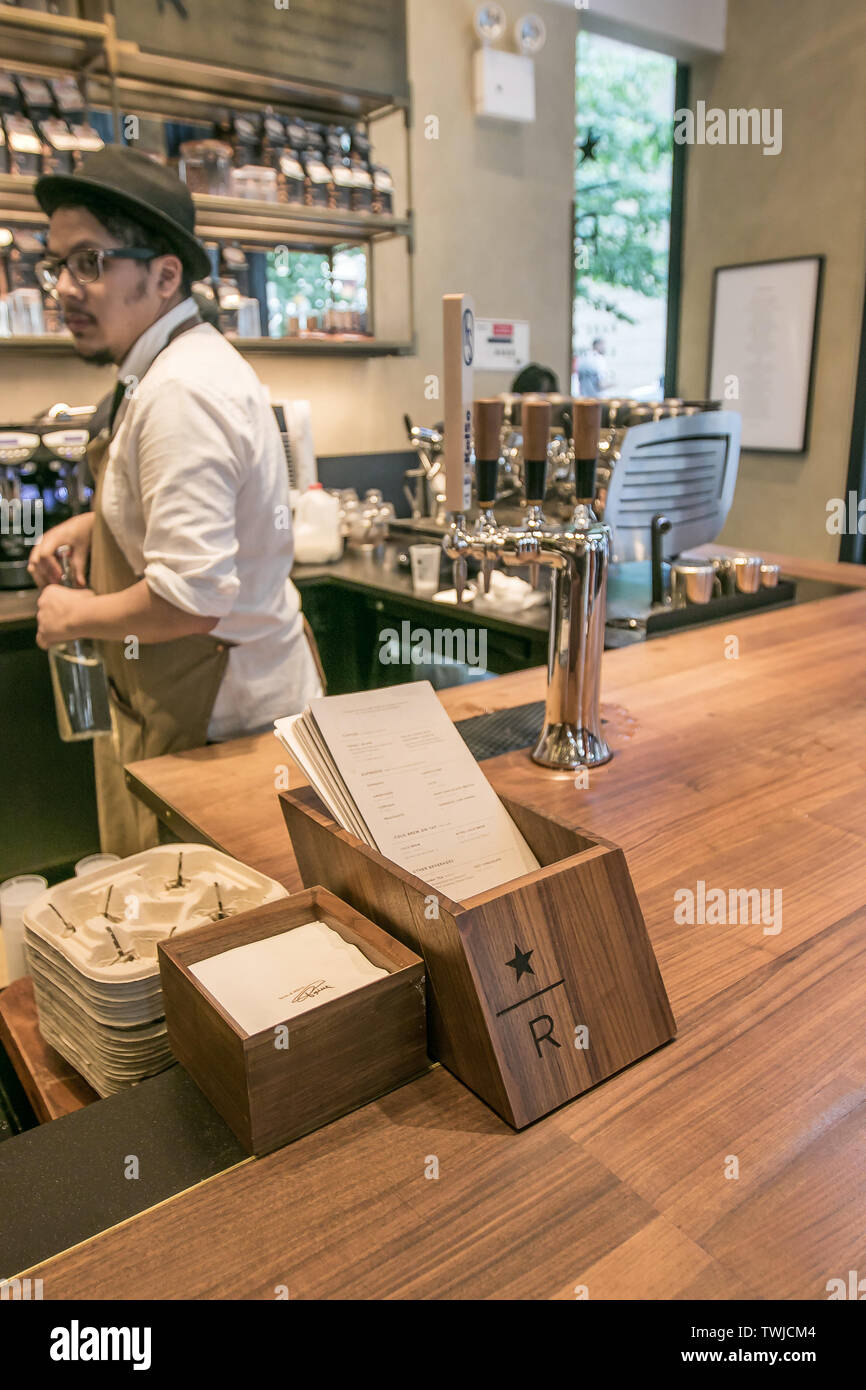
(118,179)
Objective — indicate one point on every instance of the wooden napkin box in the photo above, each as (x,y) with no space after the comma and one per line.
(538,989)
(330,1059)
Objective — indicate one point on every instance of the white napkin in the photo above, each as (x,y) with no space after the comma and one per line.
(450,595)
(509,594)
(266,982)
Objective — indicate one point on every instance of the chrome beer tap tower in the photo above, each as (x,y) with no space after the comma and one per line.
(577,553)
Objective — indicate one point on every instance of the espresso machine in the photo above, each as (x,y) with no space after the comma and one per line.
(41,483)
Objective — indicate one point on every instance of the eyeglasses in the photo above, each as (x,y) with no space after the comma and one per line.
(86,266)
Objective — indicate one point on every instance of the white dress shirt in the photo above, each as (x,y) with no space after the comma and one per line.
(196,494)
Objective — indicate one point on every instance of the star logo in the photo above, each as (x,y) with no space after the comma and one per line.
(589,146)
(520,962)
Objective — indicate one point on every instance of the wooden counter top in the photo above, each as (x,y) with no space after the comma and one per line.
(18,608)
(738,772)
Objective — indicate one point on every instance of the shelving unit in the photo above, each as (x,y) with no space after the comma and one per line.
(69,43)
(228,216)
(118,75)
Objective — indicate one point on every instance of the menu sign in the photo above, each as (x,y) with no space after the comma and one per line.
(361,46)
(501,344)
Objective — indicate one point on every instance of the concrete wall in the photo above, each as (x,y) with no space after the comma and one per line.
(811,198)
(493,209)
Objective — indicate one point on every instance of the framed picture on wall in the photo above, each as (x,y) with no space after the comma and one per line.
(763,337)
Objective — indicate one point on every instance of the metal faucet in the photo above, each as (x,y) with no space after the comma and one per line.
(577,553)
(428,444)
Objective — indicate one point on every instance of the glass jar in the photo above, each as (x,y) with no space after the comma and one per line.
(362,179)
(319,190)
(383,190)
(205,166)
(249,322)
(293,185)
(344,183)
(26,315)
(254,181)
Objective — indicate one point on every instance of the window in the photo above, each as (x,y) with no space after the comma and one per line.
(624,180)
(309,292)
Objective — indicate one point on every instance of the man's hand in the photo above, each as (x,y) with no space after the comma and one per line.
(76,533)
(62,614)
(65,614)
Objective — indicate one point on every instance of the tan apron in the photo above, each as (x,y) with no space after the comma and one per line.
(161,699)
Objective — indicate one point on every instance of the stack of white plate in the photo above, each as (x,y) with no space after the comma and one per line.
(91,946)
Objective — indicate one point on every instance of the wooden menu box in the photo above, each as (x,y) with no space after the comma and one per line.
(538,989)
(331,1058)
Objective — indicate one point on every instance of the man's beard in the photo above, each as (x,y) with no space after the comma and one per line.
(102,358)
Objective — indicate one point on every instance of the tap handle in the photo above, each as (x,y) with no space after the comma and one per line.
(536,481)
(659,527)
(461,574)
(587,427)
(488,427)
(458,342)
(584,478)
(486,472)
(536,438)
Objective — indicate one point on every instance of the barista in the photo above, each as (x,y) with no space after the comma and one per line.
(189,545)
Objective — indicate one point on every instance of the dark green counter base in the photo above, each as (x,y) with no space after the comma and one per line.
(48,815)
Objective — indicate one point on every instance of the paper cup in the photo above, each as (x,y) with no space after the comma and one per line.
(15,895)
(425,560)
(92,862)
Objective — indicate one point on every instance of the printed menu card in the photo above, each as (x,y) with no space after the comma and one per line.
(392,769)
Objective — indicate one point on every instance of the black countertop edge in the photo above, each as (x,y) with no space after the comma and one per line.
(70,1180)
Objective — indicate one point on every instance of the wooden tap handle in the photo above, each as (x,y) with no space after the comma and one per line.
(536,438)
(587,428)
(489,415)
(536,429)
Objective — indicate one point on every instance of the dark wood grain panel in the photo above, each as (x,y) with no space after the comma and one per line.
(340,1054)
(593,1001)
